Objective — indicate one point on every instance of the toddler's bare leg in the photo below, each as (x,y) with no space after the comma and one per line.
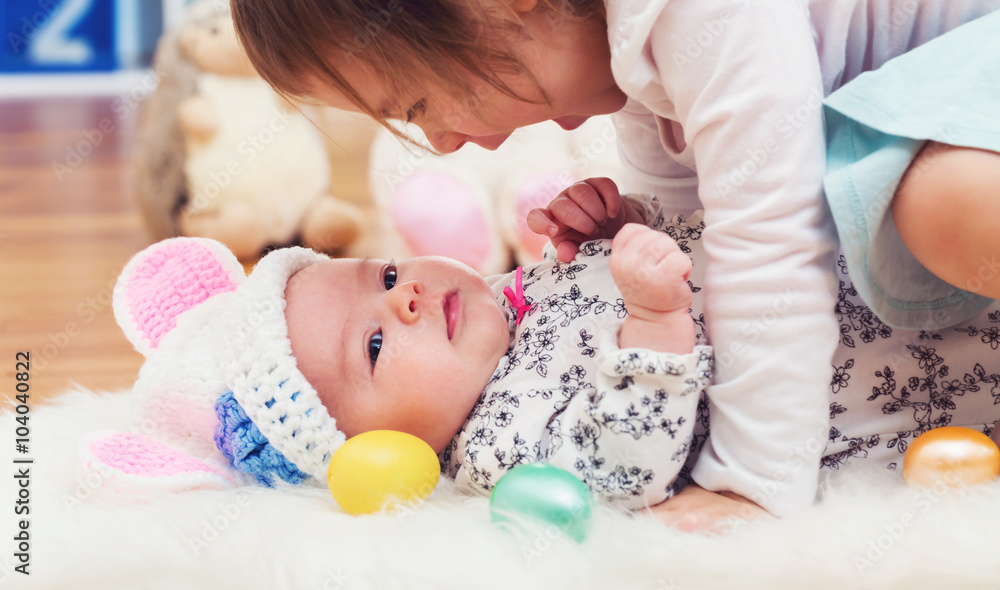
(947,211)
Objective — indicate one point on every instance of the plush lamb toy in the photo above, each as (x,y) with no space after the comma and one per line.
(471,205)
(224,157)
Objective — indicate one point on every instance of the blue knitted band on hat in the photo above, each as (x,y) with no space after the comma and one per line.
(241,442)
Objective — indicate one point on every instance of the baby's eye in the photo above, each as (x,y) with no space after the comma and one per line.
(416,110)
(389,276)
(374,347)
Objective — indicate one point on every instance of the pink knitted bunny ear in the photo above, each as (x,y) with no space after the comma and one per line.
(124,463)
(165,280)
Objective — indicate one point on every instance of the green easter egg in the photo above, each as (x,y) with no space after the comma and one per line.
(546,494)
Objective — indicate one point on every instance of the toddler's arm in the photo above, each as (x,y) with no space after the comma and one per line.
(745,111)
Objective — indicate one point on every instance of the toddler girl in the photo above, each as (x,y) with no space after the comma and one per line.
(718,106)
(591,365)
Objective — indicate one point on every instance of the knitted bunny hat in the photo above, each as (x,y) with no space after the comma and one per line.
(219,366)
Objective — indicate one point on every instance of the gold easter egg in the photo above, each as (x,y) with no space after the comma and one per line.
(952,455)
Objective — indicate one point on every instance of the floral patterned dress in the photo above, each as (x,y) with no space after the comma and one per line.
(620,419)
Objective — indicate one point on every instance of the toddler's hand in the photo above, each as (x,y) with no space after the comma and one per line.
(651,272)
(696,509)
(591,209)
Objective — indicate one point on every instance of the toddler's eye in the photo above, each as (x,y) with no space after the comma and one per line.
(416,110)
(389,276)
(374,347)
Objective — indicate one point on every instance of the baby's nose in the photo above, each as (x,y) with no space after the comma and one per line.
(405,301)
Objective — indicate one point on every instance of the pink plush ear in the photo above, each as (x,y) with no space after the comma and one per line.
(438,214)
(165,280)
(132,463)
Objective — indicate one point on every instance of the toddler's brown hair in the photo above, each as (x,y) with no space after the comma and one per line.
(463,46)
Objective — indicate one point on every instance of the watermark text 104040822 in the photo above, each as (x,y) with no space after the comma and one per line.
(22,463)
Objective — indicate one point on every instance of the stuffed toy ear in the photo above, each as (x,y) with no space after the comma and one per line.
(128,463)
(165,280)
(439,214)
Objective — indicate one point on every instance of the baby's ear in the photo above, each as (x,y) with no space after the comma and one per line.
(165,280)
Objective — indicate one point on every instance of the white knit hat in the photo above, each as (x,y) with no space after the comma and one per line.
(219,364)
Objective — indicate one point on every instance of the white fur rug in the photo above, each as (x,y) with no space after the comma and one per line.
(870,531)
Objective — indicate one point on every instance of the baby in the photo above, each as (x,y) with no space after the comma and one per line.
(553,362)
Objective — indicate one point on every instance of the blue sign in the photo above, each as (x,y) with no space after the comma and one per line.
(58,36)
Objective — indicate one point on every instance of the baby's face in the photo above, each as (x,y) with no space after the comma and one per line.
(405,347)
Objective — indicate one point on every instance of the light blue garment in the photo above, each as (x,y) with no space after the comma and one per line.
(946,90)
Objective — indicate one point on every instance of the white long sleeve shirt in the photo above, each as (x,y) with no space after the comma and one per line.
(725,114)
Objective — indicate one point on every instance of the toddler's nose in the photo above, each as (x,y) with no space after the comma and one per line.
(404,301)
(446,142)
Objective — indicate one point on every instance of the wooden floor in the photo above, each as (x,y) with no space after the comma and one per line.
(65,233)
(68,224)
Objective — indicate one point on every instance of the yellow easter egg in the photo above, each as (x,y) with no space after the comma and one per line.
(374,467)
(952,455)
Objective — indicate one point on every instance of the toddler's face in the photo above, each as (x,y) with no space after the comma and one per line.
(569,58)
(405,346)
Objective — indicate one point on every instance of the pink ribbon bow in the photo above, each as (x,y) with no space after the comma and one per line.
(516,298)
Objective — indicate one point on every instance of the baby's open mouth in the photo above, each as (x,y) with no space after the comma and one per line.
(451,306)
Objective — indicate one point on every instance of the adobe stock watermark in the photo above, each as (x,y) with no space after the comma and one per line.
(670,584)
(94,479)
(406,166)
(422,492)
(705,36)
(537,538)
(212,528)
(988,270)
(249,148)
(592,150)
(877,548)
(806,453)
(98,474)
(901,16)
(377,21)
(784,127)
(122,107)
(31,29)
(6,570)
(334,579)
(876,205)
(87,311)
(755,327)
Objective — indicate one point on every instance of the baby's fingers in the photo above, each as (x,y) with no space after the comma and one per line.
(628,235)
(646,251)
(566,251)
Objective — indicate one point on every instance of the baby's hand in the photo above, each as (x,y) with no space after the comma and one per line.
(591,209)
(651,272)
